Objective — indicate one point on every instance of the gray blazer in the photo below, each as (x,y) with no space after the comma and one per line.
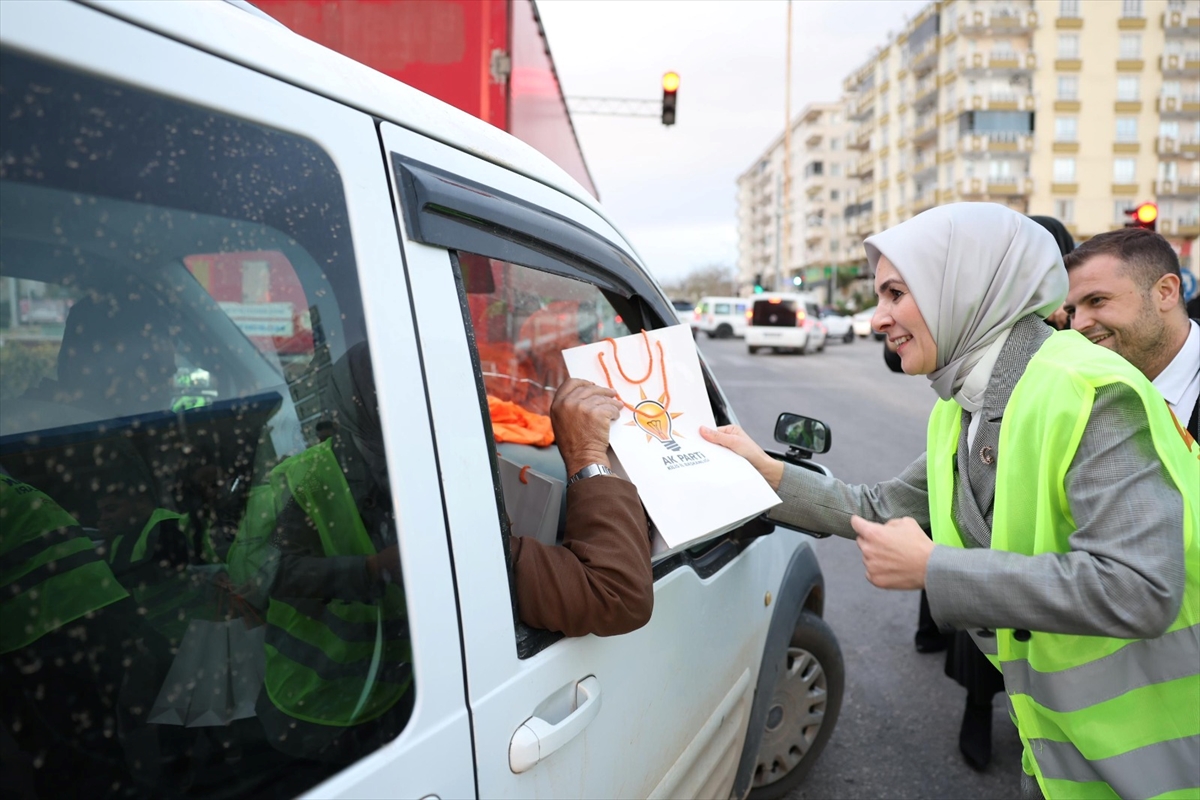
(1124,576)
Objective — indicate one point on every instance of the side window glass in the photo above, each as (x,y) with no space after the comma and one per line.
(721,308)
(198,559)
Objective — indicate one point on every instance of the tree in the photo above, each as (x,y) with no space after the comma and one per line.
(711,279)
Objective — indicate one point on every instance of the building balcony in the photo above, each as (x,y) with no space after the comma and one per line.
(996,142)
(861,106)
(925,130)
(860,139)
(1001,186)
(998,22)
(861,167)
(1179,65)
(997,101)
(1166,146)
(925,93)
(1177,187)
(1011,61)
(1183,228)
(1180,23)
(924,59)
(1171,105)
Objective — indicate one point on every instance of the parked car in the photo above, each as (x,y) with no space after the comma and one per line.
(162,422)
(785,322)
(721,317)
(837,327)
(862,325)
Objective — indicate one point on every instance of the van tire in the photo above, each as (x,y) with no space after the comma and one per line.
(804,710)
(724,330)
(752,349)
(849,337)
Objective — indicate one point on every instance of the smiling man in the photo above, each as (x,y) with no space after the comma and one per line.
(1125,295)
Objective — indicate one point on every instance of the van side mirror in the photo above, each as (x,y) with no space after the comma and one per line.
(804,434)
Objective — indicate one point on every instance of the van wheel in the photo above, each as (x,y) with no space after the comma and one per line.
(803,712)
(724,330)
(752,349)
(849,337)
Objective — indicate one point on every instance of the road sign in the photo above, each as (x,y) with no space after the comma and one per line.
(1189,284)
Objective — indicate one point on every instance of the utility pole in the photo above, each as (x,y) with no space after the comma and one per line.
(786,246)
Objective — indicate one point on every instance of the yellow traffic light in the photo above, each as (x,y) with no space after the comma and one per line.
(671,82)
(1146,213)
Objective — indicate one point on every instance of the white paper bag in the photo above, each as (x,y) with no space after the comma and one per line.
(690,487)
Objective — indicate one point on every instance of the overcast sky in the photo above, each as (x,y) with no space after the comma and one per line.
(673,190)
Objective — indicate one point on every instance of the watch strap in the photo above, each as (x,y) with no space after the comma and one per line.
(590,471)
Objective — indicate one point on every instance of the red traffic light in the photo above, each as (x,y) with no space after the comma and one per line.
(1144,216)
(670,84)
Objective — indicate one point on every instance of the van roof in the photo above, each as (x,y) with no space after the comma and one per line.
(261,43)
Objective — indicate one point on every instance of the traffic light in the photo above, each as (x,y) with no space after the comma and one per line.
(670,89)
(758,287)
(1144,216)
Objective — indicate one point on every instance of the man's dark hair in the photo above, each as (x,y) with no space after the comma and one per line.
(1144,254)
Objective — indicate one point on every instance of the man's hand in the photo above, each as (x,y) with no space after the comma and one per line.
(581,415)
(737,440)
(895,554)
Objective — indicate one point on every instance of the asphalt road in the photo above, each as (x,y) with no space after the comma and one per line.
(897,736)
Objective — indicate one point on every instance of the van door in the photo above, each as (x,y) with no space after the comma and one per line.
(505,273)
(205,249)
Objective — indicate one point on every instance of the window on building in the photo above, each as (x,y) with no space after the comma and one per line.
(1122,207)
(948,174)
(883,168)
(1068,8)
(1068,45)
(1068,87)
(833,194)
(1131,8)
(1064,210)
(1000,170)
(1169,129)
(1124,170)
(883,201)
(1128,88)
(1172,89)
(835,170)
(1130,48)
(1066,129)
(1127,130)
(1168,170)
(1064,170)
(835,143)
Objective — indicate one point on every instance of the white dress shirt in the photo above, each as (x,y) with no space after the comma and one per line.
(1180,381)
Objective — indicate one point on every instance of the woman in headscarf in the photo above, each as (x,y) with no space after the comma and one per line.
(1061,497)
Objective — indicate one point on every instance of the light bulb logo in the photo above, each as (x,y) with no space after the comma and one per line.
(655,421)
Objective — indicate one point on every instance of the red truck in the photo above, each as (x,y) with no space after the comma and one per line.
(489,58)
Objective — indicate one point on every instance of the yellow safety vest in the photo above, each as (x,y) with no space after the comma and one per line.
(332,661)
(1099,717)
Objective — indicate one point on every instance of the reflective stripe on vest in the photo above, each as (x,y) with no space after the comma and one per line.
(50,574)
(330,661)
(1099,716)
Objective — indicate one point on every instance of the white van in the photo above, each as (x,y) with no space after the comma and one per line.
(220,215)
(721,317)
(786,321)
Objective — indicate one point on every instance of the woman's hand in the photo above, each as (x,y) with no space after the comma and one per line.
(895,554)
(737,440)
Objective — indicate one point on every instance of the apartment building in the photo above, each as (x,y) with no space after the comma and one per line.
(820,187)
(1078,109)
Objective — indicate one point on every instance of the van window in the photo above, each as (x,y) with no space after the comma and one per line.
(721,308)
(184,361)
(775,312)
(521,320)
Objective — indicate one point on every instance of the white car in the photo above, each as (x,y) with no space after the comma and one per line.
(214,193)
(721,317)
(837,327)
(862,324)
(785,322)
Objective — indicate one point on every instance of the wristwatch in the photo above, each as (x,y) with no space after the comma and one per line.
(590,471)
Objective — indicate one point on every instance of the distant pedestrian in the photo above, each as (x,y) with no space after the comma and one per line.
(1125,294)
(1061,496)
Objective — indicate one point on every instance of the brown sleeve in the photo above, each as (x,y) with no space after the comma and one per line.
(599,581)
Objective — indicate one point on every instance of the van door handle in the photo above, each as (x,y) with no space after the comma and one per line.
(536,738)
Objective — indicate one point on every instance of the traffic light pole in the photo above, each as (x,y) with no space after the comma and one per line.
(614,106)
(785,250)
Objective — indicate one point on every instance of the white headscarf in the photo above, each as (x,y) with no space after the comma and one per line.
(974,269)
